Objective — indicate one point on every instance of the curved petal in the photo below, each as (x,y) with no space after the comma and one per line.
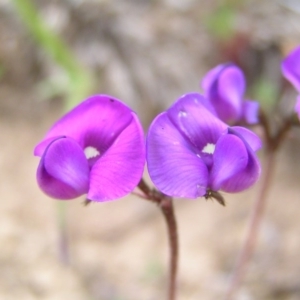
(230,89)
(40,148)
(63,172)
(229,158)
(297,106)
(96,122)
(191,116)
(248,136)
(119,170)
(210,78)
(251,112)
(172,160)
(290,68)
(246,178)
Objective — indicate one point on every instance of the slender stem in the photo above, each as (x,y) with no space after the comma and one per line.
(166,205)
(143,186)
(255,220)
(168,212)
(273,143)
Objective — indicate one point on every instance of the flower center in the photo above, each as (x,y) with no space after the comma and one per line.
(91,152)
(209,148)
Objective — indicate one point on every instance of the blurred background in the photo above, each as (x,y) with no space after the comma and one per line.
(55,53)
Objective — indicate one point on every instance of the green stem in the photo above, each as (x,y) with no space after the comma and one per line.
(80,80)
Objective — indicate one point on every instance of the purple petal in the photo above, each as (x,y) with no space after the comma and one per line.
(63,172)
(119,170)
(231,89)
(229,158)
(251,112)
(246,178)
(173,164)
(248,136)
(40,148)
(197,123)
(290,68)
(211,76)
(297,106)
(96,122)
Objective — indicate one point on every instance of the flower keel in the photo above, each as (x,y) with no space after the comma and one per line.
(63,172)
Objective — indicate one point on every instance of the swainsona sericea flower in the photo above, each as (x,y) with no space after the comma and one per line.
(191,152)
(291,71)
(96,149)
(224,86)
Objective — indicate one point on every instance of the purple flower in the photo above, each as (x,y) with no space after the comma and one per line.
(224,87)
(291,71)
(190,151)
(96,149)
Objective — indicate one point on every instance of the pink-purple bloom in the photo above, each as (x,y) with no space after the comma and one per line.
(224,86)
(190,151)
(96,149)
(291,71)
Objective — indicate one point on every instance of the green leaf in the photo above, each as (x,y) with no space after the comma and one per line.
(221,22)
(79,83)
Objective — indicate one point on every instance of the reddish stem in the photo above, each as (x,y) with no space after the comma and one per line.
(168,212)
(251,237)
(166,205)
(273,143)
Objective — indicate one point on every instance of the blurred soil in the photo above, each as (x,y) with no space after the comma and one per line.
(147,53)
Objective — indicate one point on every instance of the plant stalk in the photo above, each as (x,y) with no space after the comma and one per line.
(254,224)
(168,212)
(166,205)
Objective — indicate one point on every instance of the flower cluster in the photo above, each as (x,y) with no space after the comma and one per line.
(99,149)
(291,71)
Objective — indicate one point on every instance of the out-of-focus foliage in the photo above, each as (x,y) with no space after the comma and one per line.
(266,92)
(221,22)
(77,82)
